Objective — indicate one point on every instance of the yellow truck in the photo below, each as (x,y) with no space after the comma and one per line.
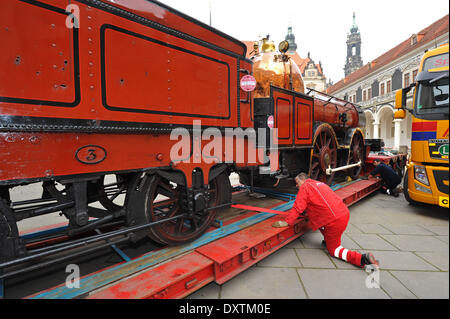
(427,176)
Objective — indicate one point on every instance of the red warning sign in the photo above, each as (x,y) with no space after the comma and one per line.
(248,83)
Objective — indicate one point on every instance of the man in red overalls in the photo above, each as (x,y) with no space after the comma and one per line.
(328,213)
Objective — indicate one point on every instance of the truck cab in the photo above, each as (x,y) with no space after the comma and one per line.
(427,177)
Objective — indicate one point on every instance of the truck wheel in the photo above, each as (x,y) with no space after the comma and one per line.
(405,190)
(399,171)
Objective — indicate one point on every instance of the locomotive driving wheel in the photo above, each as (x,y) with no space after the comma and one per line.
(323,154)
(355,154)
(164,200)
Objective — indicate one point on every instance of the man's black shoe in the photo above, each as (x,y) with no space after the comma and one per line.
(368,259)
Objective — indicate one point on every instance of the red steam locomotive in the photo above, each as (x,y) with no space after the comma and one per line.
(90,92)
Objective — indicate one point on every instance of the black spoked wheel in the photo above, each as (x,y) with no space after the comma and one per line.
(110,190)
(323,155)
(10,245)
(163,200)
(355,154)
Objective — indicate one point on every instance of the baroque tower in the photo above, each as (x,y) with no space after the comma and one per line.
(354,60)
(290,37)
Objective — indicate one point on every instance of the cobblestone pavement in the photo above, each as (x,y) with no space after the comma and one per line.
(410,242)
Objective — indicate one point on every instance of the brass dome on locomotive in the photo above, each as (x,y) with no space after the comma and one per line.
(275,68)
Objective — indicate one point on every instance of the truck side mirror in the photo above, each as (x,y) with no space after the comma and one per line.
(400,99)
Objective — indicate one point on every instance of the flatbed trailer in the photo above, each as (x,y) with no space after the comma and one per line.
(234,245)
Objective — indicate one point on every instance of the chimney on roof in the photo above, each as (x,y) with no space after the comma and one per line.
(420,37)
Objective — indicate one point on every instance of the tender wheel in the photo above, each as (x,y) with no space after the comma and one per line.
(110,189)
(399,168)
(355,154)
(10,244)
(323,154)
(163,200)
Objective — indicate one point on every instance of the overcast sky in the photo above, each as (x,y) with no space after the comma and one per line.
(320,26)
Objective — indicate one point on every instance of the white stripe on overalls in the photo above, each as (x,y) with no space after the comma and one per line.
(344,252)
(336,252)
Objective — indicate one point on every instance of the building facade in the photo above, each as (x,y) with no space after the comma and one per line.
(373,85)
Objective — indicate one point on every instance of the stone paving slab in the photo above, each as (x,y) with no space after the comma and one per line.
(281,258)
(314,258)
(353,229)
(371,241)
(443,238)
(417,243)
(338,284)
(297,243)
(439,260)
(366,218)
(312,240)
(401,260)
(426,284)
(393,287)
(264,283)
(349,243)
(373,229)
(438,230)
(408,230)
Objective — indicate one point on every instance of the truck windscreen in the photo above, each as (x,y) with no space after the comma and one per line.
(437,61)
(432,97)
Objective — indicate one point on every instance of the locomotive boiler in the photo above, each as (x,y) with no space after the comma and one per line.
(317,133)
(90,94)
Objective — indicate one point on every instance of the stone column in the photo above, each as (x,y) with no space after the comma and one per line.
(397,133)
(376,129)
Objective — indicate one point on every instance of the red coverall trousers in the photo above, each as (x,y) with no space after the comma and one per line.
(332,233)
(326,212)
